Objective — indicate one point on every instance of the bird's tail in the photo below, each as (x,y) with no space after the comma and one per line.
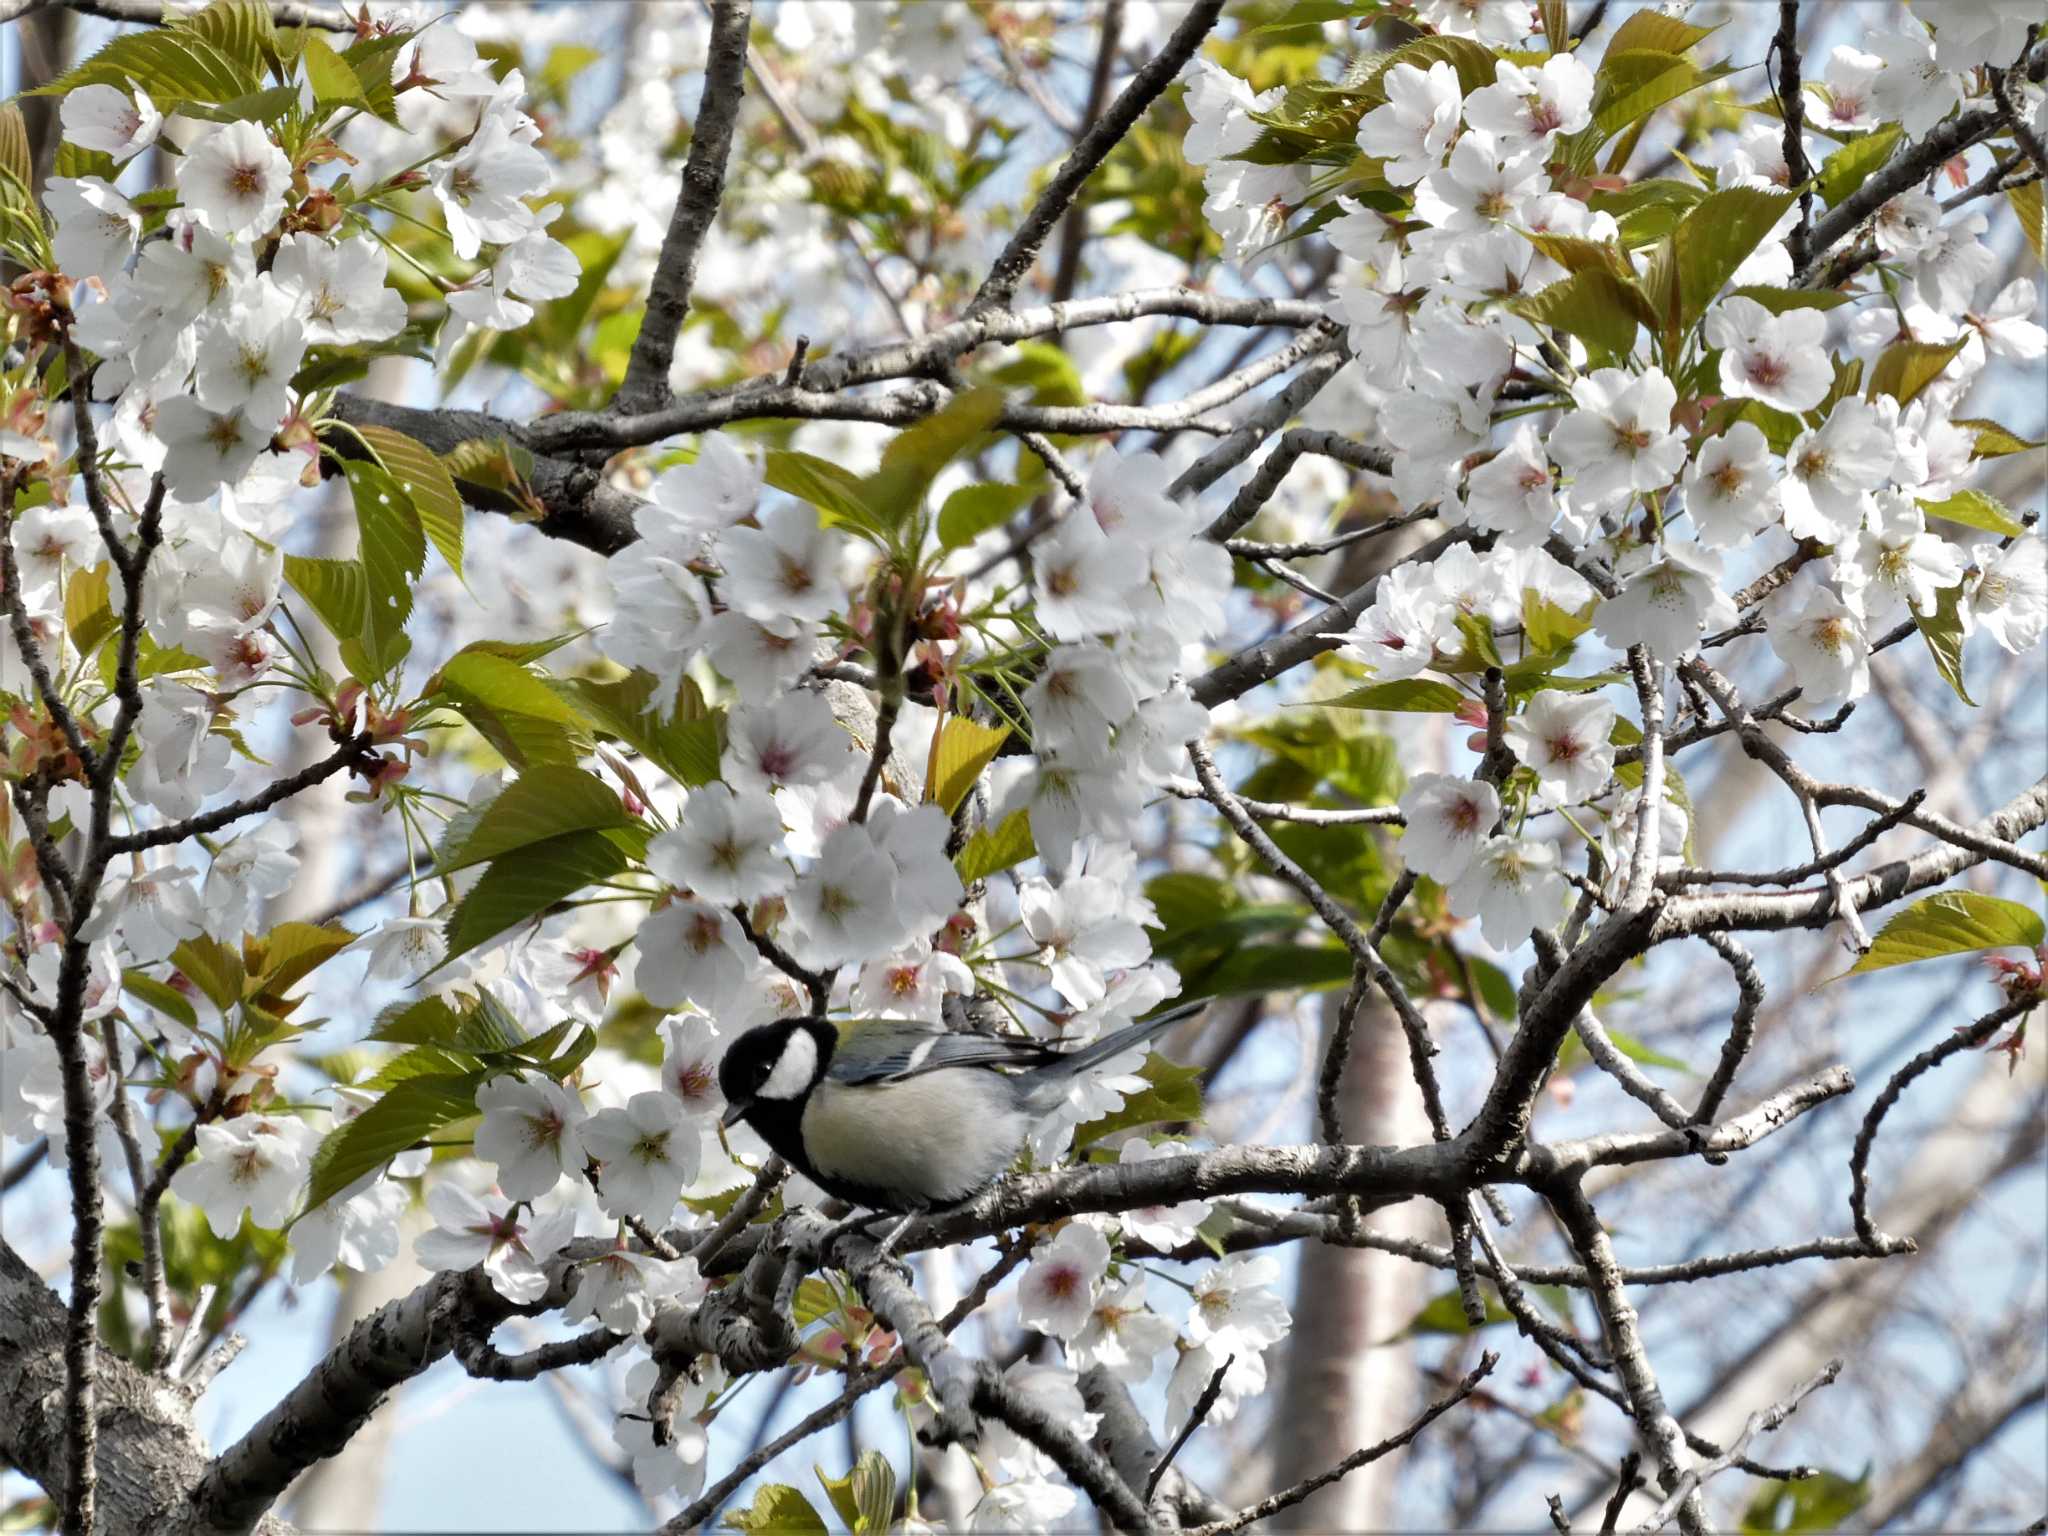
(1076,1062)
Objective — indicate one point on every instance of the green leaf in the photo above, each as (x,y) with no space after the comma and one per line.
(1974,509)
(213,968)
(513,709)
(1045,370)
(972,510)
(841,498)
(435,1021)
(1851,165)
(1716,237)
(685,747)
(1550,628)
(1993,440)
(408,1112)
(545,801)
(334,83)
(864,1498)
(1906,367)
(1943,632)
(160,995)
(426,480)
(394,551)
(1593,304)
(1658,32)
(1474,62)
(777,1510)
(914,457)
(1174,1095)
(175,65)
(995,849)
(1445,1313)
(337,589)
(1408,695)
(1779,300)
(1824,1502)
(1950,923)
(529,880)
(88,609)
(240,29)
(289,953)
(964,747)
(2033,216)
(15,157)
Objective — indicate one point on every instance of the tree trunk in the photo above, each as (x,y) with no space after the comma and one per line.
(1343,1388)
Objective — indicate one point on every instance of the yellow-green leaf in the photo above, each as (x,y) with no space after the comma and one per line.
(1943,632)
(1906,367)
(434,497)
(961,750)
(1950,923)
(992,850)
(1974,509)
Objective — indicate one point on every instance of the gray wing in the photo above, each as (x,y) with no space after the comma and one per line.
(890,1050)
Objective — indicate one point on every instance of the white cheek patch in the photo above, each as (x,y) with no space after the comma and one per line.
(794,1070)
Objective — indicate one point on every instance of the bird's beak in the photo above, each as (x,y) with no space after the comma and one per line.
(735,1113)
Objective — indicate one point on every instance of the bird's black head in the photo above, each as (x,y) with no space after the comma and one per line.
(774,1066)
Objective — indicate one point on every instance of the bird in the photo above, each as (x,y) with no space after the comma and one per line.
(898,1115)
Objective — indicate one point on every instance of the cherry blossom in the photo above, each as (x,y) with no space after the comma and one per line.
(1824,643)
(511,1242)
(1670,595)
(1564,738)
(110,120)
(532,1131)
(650,1153)
(1778,359)
(1619,440)
(1448,820)
(233,179)
(1511,886)
(725,847)
(253,1162)
(1056,1295)
(1414,128)
(1731,487)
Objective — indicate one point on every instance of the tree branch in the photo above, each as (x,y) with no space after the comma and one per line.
(675,270)
(1104,135)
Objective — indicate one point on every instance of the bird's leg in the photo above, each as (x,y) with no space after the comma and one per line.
(887,1246)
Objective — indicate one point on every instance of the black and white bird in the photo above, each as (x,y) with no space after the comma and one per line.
(897,1115)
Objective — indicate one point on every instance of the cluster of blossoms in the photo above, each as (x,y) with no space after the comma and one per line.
(1601,491)
(1668,479)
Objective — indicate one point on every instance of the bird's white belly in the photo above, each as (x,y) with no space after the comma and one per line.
(938,1137)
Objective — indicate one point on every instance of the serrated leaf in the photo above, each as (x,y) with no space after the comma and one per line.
(994,849)
(962,749)
(241,29)
(529,880)
(1943,632)
(1852,165)
(393,552)
(174,64)
(408,1113)
(513,709)
(1408,695)
(1995,441)
(1950,923)
(972,510)
(1974,509)
(435,500)
(777,1510)
(1906,367)
(547,800)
